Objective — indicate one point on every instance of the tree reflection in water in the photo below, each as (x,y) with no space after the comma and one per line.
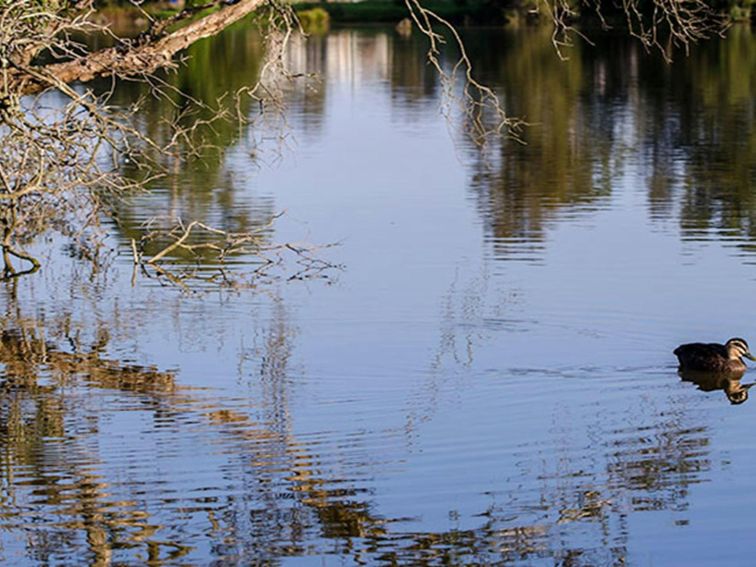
(593,117)
(55,484)
(89,438)
(691,125)
(279,497)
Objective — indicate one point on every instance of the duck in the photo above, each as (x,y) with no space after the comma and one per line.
(713,357)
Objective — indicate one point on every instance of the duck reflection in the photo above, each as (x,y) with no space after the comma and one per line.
(729,382)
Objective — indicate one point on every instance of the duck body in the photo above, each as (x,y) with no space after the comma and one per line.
(714,357)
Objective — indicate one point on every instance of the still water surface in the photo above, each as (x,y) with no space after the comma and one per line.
(489,379)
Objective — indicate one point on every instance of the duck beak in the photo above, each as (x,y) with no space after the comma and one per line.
(749,356)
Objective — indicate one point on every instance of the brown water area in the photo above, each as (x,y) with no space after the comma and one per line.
(489,377)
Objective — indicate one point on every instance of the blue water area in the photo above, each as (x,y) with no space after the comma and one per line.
(485,373)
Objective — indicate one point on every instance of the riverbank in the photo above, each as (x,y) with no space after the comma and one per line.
(388,11)
(128,19)
(367,11)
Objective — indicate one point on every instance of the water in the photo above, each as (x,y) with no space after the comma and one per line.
(488,379)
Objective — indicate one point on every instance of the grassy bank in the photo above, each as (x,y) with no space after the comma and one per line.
(317,15)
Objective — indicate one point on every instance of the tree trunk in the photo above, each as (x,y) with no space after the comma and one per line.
(141,59)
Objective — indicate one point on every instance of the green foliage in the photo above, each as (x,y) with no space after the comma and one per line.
(741,11)
(314,20)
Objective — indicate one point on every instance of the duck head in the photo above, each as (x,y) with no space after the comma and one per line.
(738,348)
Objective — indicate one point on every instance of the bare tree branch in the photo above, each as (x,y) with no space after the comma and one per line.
(143,58)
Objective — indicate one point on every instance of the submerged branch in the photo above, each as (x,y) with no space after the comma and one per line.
(198,252)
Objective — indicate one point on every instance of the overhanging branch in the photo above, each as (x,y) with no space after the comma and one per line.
(139,59)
